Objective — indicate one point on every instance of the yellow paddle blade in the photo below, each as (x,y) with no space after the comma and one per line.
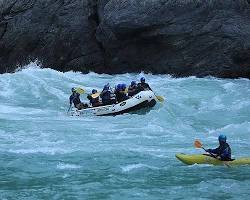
(160,98)
(126,90)
(80,90)
(197,144)
(95,95)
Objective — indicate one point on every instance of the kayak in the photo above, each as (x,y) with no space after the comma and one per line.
(207,159)
(144,99)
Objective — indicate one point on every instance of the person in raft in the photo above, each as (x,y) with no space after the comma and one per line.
(143,85)
(75,99)
(108,97)
(94,98)
(223,152)
(120,93)
(133,89)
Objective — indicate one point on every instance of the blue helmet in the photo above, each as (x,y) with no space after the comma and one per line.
(222,138)
(142,79)
(133,83)
(123,86)
(118,87)
(94,91)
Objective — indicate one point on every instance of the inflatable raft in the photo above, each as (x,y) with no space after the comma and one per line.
(207,159)
(141,100)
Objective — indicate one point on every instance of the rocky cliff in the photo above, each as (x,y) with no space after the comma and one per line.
(179,37)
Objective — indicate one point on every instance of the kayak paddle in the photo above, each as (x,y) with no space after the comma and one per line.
(198,145)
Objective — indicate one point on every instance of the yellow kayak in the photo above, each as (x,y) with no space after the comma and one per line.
(207,159)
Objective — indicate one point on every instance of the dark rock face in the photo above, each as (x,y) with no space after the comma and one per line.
(178,37)
(59,33)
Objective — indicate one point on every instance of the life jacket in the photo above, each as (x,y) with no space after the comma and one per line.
(121,96)
(133,90)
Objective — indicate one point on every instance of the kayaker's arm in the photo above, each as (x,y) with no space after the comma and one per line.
(214,151)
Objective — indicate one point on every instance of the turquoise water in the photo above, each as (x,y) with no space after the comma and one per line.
(45,154)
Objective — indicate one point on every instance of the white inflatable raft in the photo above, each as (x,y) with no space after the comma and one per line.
(143,99)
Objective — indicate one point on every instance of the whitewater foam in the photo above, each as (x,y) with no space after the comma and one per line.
(41,146)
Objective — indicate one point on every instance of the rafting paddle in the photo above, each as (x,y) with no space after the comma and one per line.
(80,90)
(69,109)
(160,98)
(199,145)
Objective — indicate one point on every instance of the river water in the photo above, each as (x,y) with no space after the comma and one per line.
(45,154)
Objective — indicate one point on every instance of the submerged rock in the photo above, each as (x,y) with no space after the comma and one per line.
(182,38)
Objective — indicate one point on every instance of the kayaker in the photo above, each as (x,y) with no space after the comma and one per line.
(143,85)
(75,99)
(223,152)
(94,98)
(133,89)
(108,97)
(120,93)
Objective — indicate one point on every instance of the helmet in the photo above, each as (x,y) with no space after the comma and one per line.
(73,90)
(118,87)
(123,86)
(133,83)
(94,91)
(222,138)
(142,79)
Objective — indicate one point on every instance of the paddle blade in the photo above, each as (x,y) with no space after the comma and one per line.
(160,98)
(197,144)
(80,90)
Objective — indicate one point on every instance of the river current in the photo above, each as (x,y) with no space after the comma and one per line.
(46,154)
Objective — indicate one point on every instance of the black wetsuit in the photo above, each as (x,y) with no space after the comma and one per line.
(143,86)
(75,99)
(224,151)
